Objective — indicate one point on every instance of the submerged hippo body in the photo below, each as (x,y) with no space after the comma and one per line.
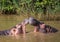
(5,32)
(50,29)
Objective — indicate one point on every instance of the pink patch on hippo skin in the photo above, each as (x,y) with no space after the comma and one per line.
(42,25)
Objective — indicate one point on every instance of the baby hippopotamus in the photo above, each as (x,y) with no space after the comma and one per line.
(40,26)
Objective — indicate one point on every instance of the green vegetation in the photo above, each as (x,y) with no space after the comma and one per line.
(46,9)
(7,7)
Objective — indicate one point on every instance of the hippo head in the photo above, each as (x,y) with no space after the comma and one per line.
(33,21)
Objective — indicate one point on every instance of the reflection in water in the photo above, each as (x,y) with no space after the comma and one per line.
(15,37)
(29,37)
(39,37)
(35,37)
(18,36)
